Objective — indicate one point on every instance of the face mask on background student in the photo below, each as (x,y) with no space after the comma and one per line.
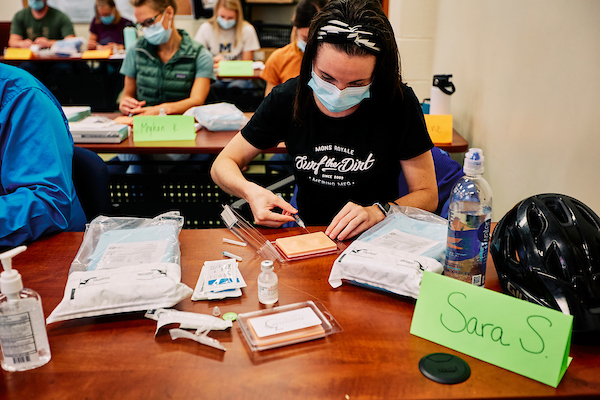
(156,34)
(334,99)
(225,23)
(107,20)
(36,5)
(301,44)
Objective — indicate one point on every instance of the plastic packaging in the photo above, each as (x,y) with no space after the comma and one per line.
(219,117)
(469,220)
(23,335)
(268,287)
(123,265)
(286,325)
(392,255)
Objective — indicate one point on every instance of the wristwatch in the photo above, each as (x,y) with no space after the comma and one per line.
(385,207)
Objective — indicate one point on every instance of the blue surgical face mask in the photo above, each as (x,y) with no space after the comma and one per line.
(334,99)
(301,45)
(36,5)
(225,23)
(108,19)
(156,34)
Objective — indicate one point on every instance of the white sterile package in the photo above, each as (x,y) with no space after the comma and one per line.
(393,254)
(219,279)
(219,117)
(124,264)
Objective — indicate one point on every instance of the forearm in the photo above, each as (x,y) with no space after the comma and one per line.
(226,173)
(425,199)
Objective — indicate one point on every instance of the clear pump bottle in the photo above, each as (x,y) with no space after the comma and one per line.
(268,290)
(23,336)
(469,220)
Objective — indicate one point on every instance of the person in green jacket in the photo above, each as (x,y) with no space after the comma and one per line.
(166,70)
(39,24)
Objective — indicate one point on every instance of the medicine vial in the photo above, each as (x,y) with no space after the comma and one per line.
(268,290)
(23,336)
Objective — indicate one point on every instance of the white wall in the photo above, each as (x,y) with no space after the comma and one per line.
(528,91)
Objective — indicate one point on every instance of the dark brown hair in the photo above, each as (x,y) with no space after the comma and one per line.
(369,15)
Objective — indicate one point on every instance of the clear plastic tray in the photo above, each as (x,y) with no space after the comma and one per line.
(263,247)
(286,325)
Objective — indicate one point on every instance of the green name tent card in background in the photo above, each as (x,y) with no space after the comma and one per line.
(236,68)
(514,334)
(163,128)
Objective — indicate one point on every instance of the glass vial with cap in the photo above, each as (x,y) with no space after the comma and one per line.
(268,290)
(23,336)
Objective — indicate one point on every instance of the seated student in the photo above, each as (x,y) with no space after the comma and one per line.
(106,29)
(166,70)
(229,36)
(37,196)
(284,63)
(39,24)
(350,125)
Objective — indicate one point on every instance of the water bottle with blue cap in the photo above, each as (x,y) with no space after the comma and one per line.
(469,220)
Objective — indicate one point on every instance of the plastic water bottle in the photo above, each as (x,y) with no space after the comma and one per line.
(469,220)
(23,335)
(268,290)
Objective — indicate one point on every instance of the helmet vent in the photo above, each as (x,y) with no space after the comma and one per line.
(556,264)
(591,219)
(537,224)
(558,210)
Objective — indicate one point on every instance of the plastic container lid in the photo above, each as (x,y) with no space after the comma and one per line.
(474,162)
(445,368)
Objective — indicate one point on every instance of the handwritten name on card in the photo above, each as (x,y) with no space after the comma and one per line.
(163,128)
(439,128)
(522,337)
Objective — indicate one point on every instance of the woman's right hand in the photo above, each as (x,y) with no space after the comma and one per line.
(262,201)
(129,105)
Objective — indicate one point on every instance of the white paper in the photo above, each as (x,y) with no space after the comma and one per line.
(288,321)
(119,255)
(405,241)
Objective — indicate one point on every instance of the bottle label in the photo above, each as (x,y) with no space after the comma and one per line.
(467,248)
(17,339)
(268,294)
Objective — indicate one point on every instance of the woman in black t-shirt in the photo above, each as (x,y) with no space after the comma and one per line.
(349,124)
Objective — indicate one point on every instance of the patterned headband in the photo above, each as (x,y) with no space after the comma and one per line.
(340,32)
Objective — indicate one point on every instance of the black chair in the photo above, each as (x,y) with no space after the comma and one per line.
(90,176)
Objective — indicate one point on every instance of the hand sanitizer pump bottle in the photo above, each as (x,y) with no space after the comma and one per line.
(23,336)
(469,220)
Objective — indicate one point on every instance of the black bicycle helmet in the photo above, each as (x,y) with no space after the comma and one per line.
(547,251)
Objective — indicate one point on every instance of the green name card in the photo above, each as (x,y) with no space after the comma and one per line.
(163,128)
(236,68)
(514,334)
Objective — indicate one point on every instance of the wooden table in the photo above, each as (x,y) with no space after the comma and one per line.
(375,357)
(209,142)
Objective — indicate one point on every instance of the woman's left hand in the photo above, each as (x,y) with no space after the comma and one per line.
(352,220)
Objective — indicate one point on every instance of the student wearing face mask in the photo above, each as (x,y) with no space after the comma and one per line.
(106,29)
(166,69)
(229,36)
(350,125)
(39,24)
(284,63)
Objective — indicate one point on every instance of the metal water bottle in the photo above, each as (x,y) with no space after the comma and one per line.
(441,92)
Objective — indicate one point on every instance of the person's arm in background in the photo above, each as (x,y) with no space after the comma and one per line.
(250,40)
(18,34)
(36,192)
